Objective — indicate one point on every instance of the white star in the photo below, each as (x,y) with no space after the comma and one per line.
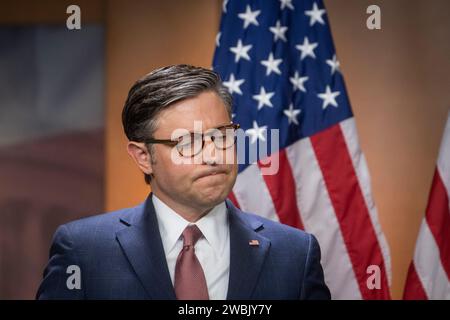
(218,39)
(298,82)
(249,17)
(241,51)
(307,48)
(286,3)
(263,98)
(334,64)
(292,114)
(315,15)
(272,64)
(233,85)
(256,132)
(224,6)
(329,97)
(278,31)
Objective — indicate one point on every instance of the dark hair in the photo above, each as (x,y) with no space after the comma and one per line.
(161,88)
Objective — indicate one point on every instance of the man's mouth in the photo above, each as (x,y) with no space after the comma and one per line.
(210,173)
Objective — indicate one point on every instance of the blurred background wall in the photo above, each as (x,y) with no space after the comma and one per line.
(51,132)
(398,80)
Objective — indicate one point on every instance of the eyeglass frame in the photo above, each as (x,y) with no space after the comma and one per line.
(173,143)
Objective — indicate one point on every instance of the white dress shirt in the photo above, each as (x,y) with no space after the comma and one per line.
(212,250)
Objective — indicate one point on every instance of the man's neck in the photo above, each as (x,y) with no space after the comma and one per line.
(188,213)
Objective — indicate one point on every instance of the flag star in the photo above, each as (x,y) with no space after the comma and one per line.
(298,82)
(278,31)
(315,15)
(249,17)
(263,98)
(307,48)
(241,51)
(233,115)
(218,39)
(334,64)
(272,64)
(292,114)
(224,6)
(233,84)
(286,3)
(256,132)
(329,97)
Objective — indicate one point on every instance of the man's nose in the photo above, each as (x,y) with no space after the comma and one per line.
(209,154)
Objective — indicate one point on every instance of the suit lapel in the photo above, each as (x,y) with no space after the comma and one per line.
(142,244)
(246,260)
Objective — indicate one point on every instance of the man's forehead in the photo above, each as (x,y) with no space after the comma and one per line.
(191,117)
(197,125)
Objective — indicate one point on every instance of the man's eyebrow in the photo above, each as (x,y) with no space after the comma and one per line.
(220,126)
(215,127)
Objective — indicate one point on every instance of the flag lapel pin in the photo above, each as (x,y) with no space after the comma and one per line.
(253,242)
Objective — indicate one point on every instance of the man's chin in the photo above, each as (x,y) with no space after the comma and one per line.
(211,198)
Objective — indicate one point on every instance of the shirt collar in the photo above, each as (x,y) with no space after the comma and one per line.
(214,225)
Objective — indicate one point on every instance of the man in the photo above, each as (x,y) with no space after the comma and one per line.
(186,241)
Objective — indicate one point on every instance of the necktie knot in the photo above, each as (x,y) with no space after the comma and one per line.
(191,235)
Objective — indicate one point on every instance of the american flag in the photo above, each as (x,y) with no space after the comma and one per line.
(429,272)
(277,58)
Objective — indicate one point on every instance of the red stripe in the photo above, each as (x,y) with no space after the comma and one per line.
(438,219)
(413,287)
(233,199)
(282,189)
(350,208)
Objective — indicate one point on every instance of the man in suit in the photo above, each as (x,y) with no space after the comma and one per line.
(186,241)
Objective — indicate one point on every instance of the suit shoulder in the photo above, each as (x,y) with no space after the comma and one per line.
(108,221)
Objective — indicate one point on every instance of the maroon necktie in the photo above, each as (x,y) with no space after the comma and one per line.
(190,282)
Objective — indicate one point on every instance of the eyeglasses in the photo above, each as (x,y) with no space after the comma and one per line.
(193,143)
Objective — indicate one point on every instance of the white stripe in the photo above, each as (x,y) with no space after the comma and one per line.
(319,218)
(443,162)
(348,128)
(429,267)
(252,194)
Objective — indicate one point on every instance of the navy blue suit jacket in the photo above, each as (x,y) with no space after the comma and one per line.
(121,256)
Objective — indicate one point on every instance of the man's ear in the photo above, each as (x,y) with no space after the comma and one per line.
(140,154)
